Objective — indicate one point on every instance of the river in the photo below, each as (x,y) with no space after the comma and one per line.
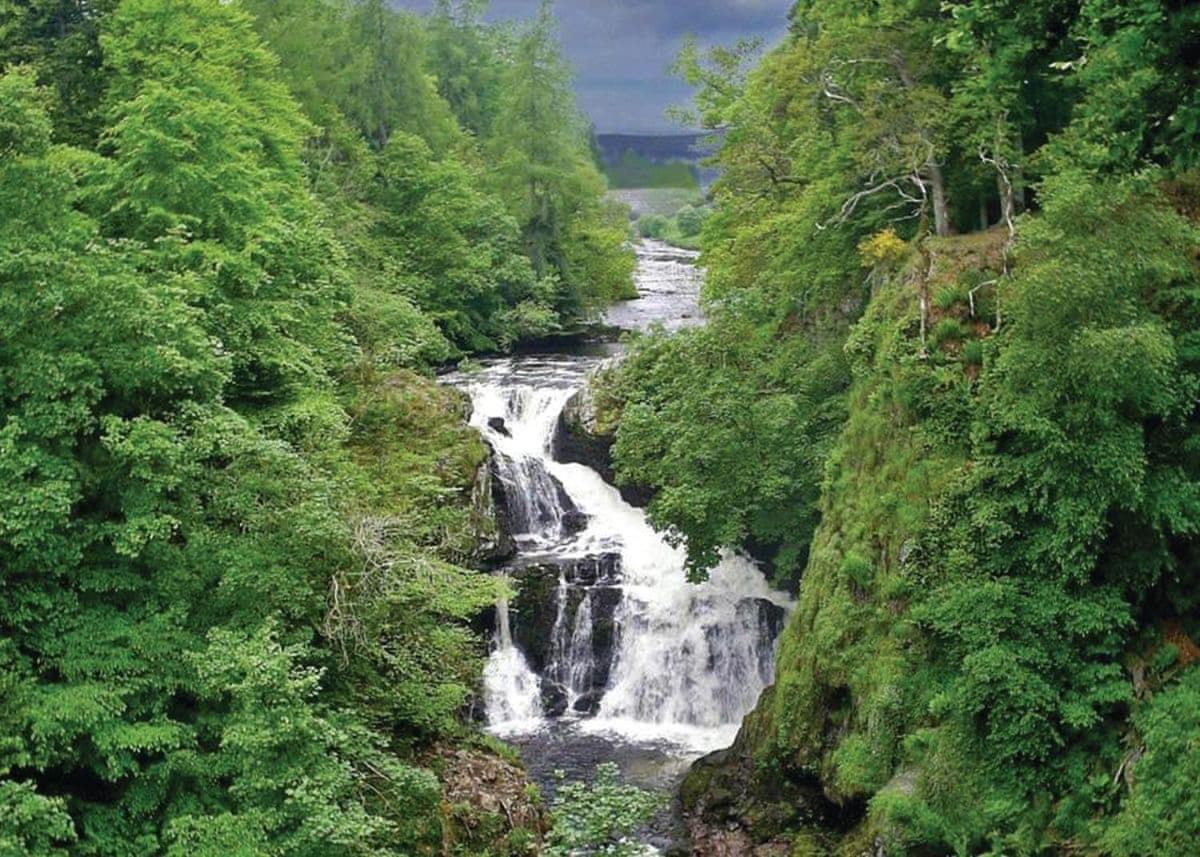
(608,654)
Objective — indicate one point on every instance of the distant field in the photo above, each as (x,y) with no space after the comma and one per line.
(664,201)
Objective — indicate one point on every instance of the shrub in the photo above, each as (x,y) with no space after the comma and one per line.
(858,570)
(652,226)
(599,818)
(884,250)
(973,353)
(946,298)
(948,330)
(690,220)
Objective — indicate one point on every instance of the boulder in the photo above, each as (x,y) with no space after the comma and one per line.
(533,612)
(733,806)
(554,698)
(494,543)
(578,441)
(589,703)
(574,522)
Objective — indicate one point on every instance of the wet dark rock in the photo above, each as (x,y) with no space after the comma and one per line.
(520,513)
(494,543)
(766,554)
(554,698)
(497,424)
(567,340)
(574,522)
(772,618)
(588,571)
(533,611)
(605,602)
(589,703)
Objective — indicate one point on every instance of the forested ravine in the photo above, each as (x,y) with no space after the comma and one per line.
(607,653)
(272,587)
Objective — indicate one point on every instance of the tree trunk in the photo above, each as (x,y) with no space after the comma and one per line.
(941,211)
(1018,178)
(1007,198)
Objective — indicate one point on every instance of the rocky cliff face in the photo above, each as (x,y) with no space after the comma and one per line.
(489,518)
(579,439)
(546,616)
(830,735)
(736,804)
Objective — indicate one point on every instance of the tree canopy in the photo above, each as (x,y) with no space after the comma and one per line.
(237,550)
(948,389)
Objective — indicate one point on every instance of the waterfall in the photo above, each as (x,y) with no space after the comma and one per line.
(686,662)
(512,691)
(695,658)
(610,631)
(518,421)
(580,662)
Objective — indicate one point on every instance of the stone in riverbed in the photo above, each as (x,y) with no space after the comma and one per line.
(554,698)
(574,522)
(589,703)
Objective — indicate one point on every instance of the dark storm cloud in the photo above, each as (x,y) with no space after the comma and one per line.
(621,49)
(695,16)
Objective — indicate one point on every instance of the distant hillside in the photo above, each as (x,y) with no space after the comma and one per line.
(662,148)
(671,160)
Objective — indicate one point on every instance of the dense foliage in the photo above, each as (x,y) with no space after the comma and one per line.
(681,228)
(237,524)
(951,376)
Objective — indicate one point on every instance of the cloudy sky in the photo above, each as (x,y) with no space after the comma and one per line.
(621,49)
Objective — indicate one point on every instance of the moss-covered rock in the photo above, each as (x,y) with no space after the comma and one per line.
(851,676)
(489,806)
(584,436)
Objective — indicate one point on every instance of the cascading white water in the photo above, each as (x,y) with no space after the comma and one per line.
(512,691)
(537,507)
(580,663)
(688,661)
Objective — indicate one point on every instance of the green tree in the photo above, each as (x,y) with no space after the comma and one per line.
(206,145)
(464,55)
(544,172)
(389,88)
(457,243)
(60,38)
